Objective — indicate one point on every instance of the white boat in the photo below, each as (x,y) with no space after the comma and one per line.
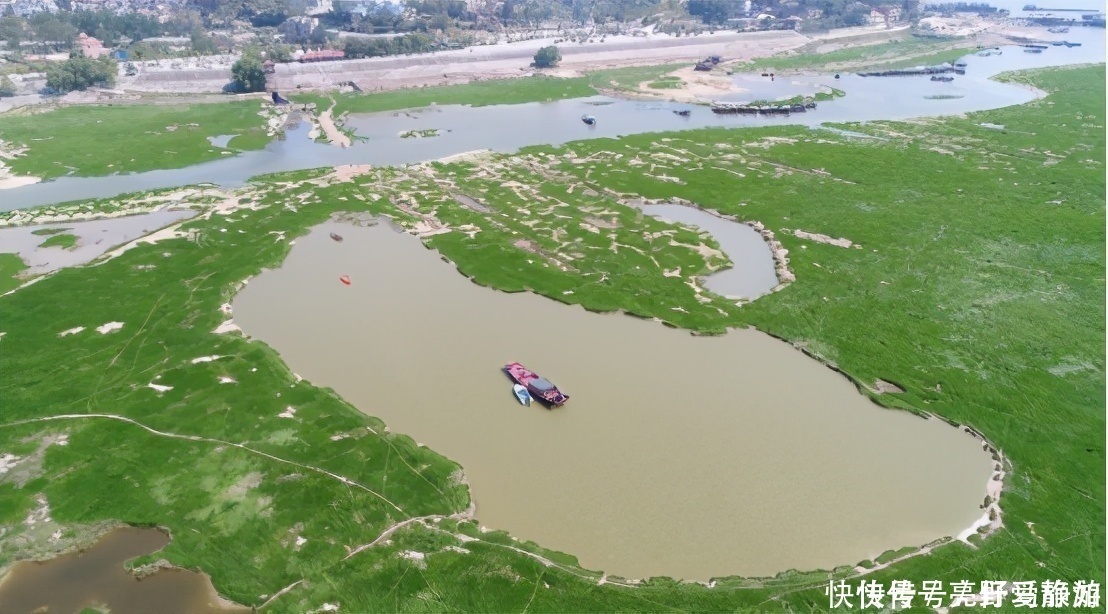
(522,394)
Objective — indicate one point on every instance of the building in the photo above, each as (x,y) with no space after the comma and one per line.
(91,47)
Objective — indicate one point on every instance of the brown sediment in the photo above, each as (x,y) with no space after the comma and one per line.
(884,387)
(95,573)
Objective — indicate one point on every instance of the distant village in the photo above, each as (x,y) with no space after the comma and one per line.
(35,35)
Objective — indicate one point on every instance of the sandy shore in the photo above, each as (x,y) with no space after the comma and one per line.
(334,135)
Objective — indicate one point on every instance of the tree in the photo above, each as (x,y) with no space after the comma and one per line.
(248,73)
(80,72)
(51,31)
(711,11)
(202,43)
(11,32)
(7,88)
(547,57)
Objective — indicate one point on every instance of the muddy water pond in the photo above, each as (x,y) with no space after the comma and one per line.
(752,274)
(692,457)
(97,578)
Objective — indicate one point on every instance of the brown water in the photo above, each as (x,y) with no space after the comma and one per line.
(97,577)
(686,456)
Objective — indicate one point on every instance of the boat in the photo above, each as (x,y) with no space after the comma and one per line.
(683,112)
(345,279)
(942,78)
(336,237)
(539,387)
(588,119)
(522,394)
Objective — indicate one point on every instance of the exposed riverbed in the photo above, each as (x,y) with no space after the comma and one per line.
(507,128)
(97,578)
(677,455)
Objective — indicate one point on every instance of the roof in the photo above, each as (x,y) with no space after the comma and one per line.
(541,383)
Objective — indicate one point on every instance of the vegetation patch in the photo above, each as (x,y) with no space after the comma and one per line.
(11,266)
(45,232)
(666,83)
(478,93)
(416,134)
(628,79)
(65,241)
(93,140)
(902,53)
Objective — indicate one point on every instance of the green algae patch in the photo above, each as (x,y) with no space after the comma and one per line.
(478,93)
(64,241)
(89,141)
(11,265)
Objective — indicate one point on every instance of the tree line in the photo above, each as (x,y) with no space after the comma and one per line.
(58,31)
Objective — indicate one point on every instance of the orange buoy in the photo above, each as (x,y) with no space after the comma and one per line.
(345,279)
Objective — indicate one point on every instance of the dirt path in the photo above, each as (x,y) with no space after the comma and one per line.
(345,480)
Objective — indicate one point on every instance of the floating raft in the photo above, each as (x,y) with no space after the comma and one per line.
(912,72)
(734,108)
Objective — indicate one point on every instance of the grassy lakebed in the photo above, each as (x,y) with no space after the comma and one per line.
(978,289)
(88,141)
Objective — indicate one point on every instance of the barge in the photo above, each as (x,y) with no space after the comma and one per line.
(728,108)
(539,387)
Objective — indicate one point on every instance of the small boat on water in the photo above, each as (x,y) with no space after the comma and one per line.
(336,237)
(942,78)
(588,119)
(683,112)
(539,387)
(522,395)
(345,279)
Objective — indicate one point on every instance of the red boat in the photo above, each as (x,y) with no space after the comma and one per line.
(539,387)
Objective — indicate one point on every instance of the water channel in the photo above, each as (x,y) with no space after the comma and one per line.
(507,128)
(752,273)
(97,578)
(677,455)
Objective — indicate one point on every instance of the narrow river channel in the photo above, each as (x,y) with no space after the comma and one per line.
(693,457)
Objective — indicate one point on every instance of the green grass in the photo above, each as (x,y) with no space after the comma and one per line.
(480,93)
(102,140)
(628,79)
(48,231)
(10,266)
(979,289)
(800,99)
(501,91)
(666,83)
(894,54)
(65,241)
